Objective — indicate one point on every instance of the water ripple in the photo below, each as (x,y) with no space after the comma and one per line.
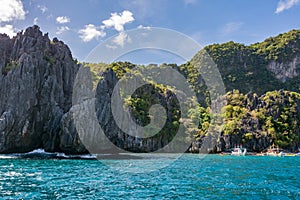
(215,177)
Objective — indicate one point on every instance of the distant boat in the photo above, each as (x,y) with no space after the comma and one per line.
(275,151)
(298,154)
(261,154)
(239,151)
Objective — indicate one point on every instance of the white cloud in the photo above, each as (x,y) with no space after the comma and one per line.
(285,5)
(121,39)
(119,20)
(42,8)
(9,30)
(144,27)
(35,21)
(90,32)
(62,20)
(111,46)
(62,29)
(231,27)
(11,10)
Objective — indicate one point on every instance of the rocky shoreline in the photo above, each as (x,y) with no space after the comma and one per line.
(37,77)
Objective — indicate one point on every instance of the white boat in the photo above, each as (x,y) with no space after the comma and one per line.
(278,154)
(239,151)
(275,151)
(298,154)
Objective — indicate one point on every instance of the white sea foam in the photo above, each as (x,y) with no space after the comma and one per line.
(89,156)
(43,153)
(7,157)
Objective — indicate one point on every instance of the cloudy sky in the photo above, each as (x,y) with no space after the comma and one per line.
(85,24)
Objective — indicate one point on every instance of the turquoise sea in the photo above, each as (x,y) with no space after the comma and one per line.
(188,177)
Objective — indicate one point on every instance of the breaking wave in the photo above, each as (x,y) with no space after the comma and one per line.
(42,154)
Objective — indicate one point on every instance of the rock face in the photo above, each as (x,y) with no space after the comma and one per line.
(119,137)
(287,70)
(276,113)
(36,77)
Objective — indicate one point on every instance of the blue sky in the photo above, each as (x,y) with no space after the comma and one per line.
(83,24)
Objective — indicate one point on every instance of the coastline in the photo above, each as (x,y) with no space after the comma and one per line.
(42,154)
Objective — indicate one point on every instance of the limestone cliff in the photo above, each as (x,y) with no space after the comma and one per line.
(36,76)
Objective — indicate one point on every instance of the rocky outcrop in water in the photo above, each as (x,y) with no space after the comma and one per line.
(258,122)
(36,76)
(96,122)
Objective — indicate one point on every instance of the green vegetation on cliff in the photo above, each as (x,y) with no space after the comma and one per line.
(275,116)
(261,108)
(282,48)
(245,67)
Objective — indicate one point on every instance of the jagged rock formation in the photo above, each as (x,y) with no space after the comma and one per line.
(36,76)
(122,139)
(257,122)
(287,70)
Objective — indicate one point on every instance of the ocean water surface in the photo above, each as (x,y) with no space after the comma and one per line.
(189,177)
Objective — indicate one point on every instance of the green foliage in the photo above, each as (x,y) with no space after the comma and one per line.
(96,70)
(49,59)
(201,116)
(139,108)
(120,68)
(248,136)
(242,68)
(282,48)
(140,102)
(10,66)
(275,115)
(283,120)
(196,82)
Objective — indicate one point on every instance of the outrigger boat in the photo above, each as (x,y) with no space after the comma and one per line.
(298,154)
(275,151)
(239,151)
